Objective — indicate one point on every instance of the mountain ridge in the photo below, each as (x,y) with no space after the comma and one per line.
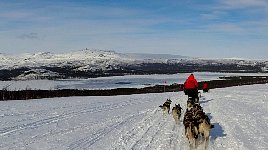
(88,63)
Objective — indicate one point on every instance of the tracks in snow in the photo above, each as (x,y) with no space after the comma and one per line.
(154,131)
(125,124)
(65,115)
(98,135)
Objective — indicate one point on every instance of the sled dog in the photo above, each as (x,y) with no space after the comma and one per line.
(190,104)
(166,106)
(191,132)
(204,128)
(176,113)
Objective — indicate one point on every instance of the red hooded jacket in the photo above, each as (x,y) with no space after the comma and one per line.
(190,83)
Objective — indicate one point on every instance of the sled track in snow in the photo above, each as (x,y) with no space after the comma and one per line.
(98,135)
(152,132)
(63,116)
(72,129)
(132,138)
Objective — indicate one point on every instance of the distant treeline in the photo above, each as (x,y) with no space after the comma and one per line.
(37,94)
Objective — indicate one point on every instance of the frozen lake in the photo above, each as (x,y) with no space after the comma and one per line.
(134,81)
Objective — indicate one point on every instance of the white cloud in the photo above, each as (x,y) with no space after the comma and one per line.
(225,27)
(15,15)
(234,4)
(29,36)
(203,30)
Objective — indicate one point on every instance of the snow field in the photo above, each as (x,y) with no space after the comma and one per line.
(125,122)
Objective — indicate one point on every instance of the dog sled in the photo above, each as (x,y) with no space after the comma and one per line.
(194,100)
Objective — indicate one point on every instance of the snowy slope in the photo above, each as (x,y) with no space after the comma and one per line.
(76,61)
(90,58)
(239,115)
(81,57)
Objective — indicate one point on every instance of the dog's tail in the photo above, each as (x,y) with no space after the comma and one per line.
(160,106)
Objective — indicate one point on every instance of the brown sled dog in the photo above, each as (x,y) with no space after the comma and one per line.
(203,124)
(176,113)
(166,106)
(191,131)
(204,127)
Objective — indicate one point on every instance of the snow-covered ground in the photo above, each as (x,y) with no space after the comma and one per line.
(239,115)
(135,81)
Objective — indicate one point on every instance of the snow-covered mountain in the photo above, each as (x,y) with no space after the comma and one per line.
(81,63)
(50,59)
(83,58)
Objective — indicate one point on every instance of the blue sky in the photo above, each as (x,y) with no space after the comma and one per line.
(207,28)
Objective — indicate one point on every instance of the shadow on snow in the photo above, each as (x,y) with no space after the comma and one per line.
(205,101)
(217,131)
